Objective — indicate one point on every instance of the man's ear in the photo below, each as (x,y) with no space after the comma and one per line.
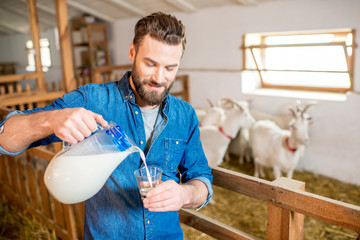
(132,52)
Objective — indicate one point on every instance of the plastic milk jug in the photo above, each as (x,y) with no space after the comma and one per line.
(79,171)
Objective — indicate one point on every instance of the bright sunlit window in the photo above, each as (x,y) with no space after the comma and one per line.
(317,60)
(45,55)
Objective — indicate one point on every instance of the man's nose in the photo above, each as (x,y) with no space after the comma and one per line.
(158,75)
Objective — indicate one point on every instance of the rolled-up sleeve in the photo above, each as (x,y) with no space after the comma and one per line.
(194,164)
(2,150)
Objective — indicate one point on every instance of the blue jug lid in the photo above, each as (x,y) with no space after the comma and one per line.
(119,138)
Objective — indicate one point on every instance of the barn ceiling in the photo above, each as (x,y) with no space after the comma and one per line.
(14,13)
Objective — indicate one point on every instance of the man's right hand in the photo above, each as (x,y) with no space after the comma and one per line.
(70,124)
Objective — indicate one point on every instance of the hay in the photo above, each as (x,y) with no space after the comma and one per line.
(15,224)
(249,215)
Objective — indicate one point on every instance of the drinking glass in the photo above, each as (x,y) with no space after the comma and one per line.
(147,180)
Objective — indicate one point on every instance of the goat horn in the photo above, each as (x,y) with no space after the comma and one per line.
(298,104)
(210,102)
(223,101)
(227,100)
(292,111)
(306,107)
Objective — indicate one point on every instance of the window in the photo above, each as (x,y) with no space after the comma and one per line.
(321,60)
(44,52)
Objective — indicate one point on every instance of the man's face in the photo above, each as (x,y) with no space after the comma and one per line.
(155,65)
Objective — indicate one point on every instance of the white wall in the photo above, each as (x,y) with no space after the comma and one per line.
(214,37)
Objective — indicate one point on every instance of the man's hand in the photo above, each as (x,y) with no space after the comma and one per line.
(74,124)
(69,124)
(171,196)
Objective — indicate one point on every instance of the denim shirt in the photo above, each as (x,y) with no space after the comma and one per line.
(116,211)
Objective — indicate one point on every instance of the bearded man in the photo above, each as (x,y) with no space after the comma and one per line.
(164,127)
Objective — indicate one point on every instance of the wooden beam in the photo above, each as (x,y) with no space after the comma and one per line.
(65,47)
(17,77)
(29,97)
(211,226)
(84,8)
(7,20)
(128,7)
(182,5)
(244,184)
(23,13)
(283,223)
(35,35)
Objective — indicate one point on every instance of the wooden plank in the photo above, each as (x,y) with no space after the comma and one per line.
(283,223)
(18,77)
(59,213)
(322,208)
(35,96)
(211,226)
(65,46)
(69,220)
(244,184)
(5,174)
(22,181)
(33,186)
(42,153)
(45,200)
(35,35)
(13,175)
(79,213)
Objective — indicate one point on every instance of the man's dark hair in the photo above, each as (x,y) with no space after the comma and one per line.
(162,27)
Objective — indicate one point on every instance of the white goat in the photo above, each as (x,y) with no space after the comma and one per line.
(278,148)
(213,115)
(240,146)
(215,139)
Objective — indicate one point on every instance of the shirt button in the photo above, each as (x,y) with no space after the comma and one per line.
(177,142)
(131,97)
(141,142)
(148,222)
(136,112)
(126,96)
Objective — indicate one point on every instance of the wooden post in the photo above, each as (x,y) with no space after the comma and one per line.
(281,223)
(35,35)
(65,48)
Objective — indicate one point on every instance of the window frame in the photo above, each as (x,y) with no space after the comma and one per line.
(262,45)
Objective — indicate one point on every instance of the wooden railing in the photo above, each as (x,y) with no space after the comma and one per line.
(22,182)
(287,202)
(15,95)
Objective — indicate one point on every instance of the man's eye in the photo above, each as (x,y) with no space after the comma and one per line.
(170,69)
(150,64)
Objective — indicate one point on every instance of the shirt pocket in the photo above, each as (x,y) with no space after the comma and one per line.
(174,151)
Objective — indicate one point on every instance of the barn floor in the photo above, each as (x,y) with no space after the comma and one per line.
(249,215)
(233,209)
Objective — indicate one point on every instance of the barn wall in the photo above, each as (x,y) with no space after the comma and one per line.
(214,37)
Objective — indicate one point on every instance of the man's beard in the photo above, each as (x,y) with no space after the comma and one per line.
(151,98)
